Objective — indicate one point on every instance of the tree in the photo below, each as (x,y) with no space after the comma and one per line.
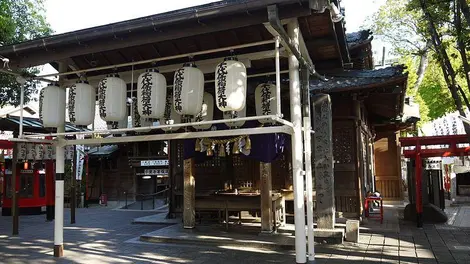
(20,20)
(402,28)
(430,36)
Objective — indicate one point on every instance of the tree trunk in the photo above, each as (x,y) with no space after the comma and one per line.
(423,64)
(447,69)
(465,11)
(461,45)
(465,99)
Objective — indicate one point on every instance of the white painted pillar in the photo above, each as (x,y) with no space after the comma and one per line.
(278,76)
(308,163)
(297,148)
(59,189)
(59,200)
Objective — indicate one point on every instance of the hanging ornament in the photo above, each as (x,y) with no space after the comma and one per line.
(198,145)
(227,148)
(151,94)
(265,101)
(246,152)
(52,106)
(188,90)
(221,150)
(207,112)
(209,152)
(230,85)
(82,98)
(203,145)
(236,147)
(248,143)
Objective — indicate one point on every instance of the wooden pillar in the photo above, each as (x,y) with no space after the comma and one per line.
(266,200)
(189,192)
(359,155)
(323,149)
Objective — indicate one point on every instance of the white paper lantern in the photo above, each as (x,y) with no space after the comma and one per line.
(265,100)
(82,97)
(188,90)
(230,85)
(22,151)
(233,115)
(170,117)
(30,151)
(151,94)
(112,99)
(207,112)
(49,153)
(69,152)
(52,106)
(39,152)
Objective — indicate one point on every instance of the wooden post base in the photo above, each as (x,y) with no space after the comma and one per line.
(58,251)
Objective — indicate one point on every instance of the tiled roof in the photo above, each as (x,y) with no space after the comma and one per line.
(32,124)
(359,37)
(356,79)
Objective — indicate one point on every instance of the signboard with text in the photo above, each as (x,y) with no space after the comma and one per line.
(150,163)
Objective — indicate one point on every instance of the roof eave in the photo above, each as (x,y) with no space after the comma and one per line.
(153,21)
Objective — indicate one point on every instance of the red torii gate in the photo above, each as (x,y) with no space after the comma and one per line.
(422,151)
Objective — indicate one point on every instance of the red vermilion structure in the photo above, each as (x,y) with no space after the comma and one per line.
(422,150)
(33,204)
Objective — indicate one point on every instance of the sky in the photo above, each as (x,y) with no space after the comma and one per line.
(83,16)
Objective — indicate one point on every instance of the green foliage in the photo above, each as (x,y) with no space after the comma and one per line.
(434,92)
(20,20)
(401,27)
(402,23)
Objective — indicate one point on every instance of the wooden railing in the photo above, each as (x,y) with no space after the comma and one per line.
(389,187)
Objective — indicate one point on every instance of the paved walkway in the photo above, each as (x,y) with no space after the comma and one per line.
(102,235)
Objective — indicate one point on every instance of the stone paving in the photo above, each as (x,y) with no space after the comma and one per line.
(102,235)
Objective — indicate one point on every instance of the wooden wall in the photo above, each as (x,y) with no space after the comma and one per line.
(112,176)
(351,152)
(387,167)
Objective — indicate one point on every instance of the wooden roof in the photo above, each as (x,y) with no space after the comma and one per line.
(382,90)
(186,31)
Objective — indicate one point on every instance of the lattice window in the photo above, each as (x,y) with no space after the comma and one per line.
(214,162)
(343,142)
(237,161)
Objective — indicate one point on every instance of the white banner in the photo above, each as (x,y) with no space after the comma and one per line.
(80,159)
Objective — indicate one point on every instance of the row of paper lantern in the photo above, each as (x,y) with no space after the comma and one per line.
(154,101)
(31,152)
